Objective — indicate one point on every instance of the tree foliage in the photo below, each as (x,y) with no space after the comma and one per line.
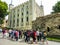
(3,10)
(56,8)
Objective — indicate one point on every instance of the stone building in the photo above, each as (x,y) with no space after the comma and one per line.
(5,23)
(21,16)
(49,23)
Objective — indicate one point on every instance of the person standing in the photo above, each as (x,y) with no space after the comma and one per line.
(17,35)
(44,34)
(34,36)
(40,35)
(37,33)
(3,33)
(10,33)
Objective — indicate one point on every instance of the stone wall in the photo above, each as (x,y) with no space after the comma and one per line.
(49,23)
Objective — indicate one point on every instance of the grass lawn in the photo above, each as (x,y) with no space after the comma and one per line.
(54,39)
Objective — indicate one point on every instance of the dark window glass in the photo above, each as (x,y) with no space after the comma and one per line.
(17,22)
(21,19)
(27,12)
(27,19)
(22,14)
(22,9)
(14,16)
(27,7)
(18,15)
(58,27)
(13,23)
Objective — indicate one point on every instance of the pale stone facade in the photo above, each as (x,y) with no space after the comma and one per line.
(21,16)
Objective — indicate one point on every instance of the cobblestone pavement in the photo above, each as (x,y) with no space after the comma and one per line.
(21,42)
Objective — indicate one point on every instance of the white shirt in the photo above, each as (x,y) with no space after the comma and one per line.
(37,33)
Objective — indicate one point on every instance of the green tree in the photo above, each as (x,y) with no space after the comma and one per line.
(3,11)
(56,7)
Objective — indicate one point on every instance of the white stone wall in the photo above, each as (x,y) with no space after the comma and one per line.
(39,10)
(29,6)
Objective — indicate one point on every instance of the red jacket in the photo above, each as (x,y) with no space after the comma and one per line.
(17,33)
(34,34)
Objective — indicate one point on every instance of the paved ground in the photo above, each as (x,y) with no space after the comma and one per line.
(20,42)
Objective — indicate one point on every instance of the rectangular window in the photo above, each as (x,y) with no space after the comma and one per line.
(27,12)
(27,19)
(22,9)
(13,16)
(22,13)
(17,22)
(21,19)
(13,23)
(18,10)
(27,6)
(18,15)
(14,12)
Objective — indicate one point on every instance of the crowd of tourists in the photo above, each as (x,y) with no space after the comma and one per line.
(27,35)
